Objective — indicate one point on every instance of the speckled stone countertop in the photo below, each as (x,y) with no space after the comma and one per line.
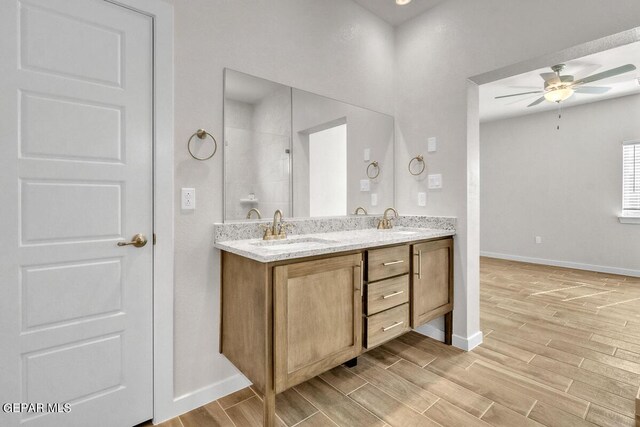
(241,230)
(306,245)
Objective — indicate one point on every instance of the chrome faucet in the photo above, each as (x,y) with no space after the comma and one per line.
(277,229)
(360,209)
(385,223)
(252,210)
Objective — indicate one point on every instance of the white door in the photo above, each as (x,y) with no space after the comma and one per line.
(76,179)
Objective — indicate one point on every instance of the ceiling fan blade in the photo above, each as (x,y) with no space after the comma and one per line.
(605,74)
(550,77)
(536,102)
(592,89)
(518,94)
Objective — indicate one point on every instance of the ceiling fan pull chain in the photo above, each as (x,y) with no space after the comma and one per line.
(559,115)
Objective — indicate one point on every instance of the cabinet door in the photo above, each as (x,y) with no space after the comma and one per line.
(318,317)
(432,281)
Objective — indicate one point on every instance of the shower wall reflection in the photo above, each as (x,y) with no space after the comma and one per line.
(257,146)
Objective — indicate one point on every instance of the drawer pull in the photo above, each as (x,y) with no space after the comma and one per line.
(400,261)
(392,294)
(392,326)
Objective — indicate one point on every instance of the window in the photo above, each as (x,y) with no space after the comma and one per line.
(631,179)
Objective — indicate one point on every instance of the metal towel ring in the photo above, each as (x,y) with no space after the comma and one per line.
(202,134)
(375,165)
(420,159)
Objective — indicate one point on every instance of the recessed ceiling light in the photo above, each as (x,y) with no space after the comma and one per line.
(402,2)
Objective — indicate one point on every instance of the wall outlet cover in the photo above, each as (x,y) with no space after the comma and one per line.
(374,199)
(367,154)
(435,181)
(422,199)
(538,239)
(188,198)
(365,185)
(432,145)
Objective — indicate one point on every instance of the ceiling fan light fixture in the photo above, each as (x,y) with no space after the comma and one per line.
(402,2)
(559,95)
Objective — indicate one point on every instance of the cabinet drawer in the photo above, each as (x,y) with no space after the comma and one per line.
(386,294)
(387,325)
(387,262)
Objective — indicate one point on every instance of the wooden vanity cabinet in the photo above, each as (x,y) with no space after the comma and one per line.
(318,317)
(432,284)
(285,322)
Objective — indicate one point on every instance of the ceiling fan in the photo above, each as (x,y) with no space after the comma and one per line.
(558,88)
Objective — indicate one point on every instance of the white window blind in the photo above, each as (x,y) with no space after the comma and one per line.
(631,177)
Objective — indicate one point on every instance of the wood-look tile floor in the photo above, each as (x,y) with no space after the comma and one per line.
(561,348)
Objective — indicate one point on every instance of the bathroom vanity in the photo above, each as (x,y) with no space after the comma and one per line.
(294,308)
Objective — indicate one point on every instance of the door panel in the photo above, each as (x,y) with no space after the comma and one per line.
(432,283)
(318,317)
(76,131)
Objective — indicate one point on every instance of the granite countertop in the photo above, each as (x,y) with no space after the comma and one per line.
(306,245)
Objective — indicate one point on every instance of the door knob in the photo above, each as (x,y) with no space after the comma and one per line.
(139,240)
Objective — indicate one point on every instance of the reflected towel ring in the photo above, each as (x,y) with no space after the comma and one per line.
(376,166)
(419,159)
(202,134)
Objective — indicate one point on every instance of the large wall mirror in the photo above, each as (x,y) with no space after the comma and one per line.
(302,153)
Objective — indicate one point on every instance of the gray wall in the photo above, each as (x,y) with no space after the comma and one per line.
(338,49)
(435,55)
(562,185)
(365,129)
(331,47)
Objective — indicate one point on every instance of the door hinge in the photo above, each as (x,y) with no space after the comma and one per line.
(154,238)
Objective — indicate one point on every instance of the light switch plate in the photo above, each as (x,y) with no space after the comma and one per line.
(374,199)
(367,154)
(538,239)
(188,198)
(432,145)
(365,185)
(435,181)
(422,199)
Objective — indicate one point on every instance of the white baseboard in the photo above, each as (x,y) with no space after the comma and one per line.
(197,398)
(463,343)
(567,264)
(468,343)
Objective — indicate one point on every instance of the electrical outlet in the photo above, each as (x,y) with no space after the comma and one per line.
(538,239)
(432,145)
(367,154)
(435,181)
(374,199)
(365,185)
(422,199)
(188,198)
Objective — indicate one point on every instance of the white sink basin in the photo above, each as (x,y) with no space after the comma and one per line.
(293,244)
(400,232)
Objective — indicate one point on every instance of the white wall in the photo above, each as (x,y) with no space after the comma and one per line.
(366,129)
(435,55)
(337,49)
(330,47)
(562,185)
(328,172)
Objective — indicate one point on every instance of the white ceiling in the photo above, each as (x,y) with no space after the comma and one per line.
(624,84)
(394,14)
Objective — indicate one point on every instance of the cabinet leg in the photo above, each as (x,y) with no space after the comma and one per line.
(448,328)
(269,409)
(351,363)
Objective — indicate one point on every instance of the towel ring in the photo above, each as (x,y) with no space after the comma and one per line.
(419,159)
(377,168)
(202,134)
